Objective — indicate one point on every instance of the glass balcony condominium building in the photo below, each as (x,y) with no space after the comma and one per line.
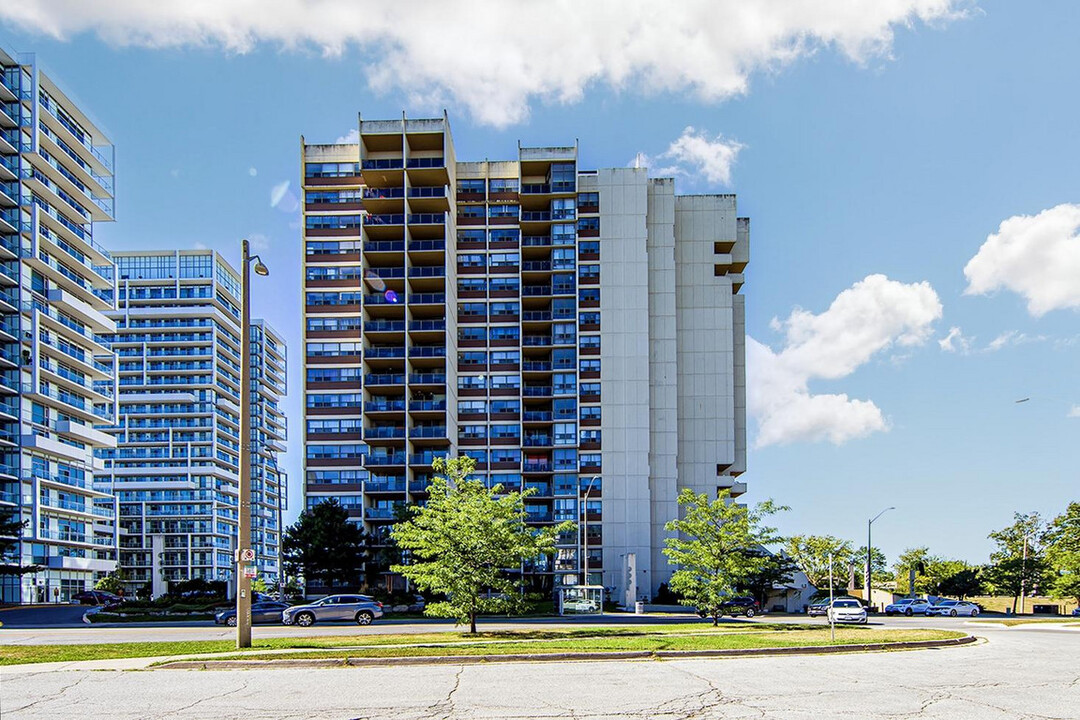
(175,468)
(577,332)
(56,367)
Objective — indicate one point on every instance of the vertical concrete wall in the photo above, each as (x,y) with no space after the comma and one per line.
(624,373)
(663,371)
(705,318)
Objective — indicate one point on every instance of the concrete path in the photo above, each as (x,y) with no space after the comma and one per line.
(1018,673)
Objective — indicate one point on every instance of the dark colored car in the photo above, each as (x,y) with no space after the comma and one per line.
(261,612)
(747,606)
(96,597)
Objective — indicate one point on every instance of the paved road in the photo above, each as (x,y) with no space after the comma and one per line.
(1017,674)
(36,632)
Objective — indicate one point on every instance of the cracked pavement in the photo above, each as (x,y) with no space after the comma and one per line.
(1017,674)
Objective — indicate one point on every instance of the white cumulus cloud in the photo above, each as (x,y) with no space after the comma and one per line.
(351,137)
(871,316)
(956,341)
(496,57)
(1035,256)
(694,154)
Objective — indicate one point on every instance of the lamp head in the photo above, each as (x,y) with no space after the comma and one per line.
(260,268)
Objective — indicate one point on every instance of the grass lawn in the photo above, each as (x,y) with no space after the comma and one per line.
(1010,622)
(698,636)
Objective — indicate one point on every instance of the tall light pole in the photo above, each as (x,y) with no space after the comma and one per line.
(869,555)
(244,552)
(585,531)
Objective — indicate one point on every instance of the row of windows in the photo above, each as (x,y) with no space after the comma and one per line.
(494,235)
(335,222)
(494,260)
(332,197)
(330,272)
(331,170)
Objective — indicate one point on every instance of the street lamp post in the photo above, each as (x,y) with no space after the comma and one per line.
(869,555)
(585,532)
(243,540)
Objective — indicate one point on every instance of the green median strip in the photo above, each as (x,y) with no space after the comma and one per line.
(647,644)
(697,636)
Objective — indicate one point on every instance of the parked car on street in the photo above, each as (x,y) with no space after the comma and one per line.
(1076,612)
(261,612)
(818,607)
(952,608)
(747,606)
(846,610)
(96,597)
(361,609)
(908,606)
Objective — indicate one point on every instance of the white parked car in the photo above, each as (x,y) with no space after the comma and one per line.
(908,606)
(952,608)
(846,611)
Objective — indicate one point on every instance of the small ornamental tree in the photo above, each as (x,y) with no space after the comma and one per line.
(111,583)
(716,548)
(464,538)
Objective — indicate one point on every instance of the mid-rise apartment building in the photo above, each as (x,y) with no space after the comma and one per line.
(56,369)
(175,468)
(577,332)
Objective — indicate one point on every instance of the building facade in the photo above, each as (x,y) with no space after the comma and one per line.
(56,367)
(577,332)
(174,470)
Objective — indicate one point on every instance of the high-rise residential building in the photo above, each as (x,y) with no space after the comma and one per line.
(56,371)
(577,332)
(175,469)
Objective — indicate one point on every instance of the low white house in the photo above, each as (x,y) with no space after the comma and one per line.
(792,596)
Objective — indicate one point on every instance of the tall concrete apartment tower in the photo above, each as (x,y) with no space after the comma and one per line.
(175,470)
(56,184)
(576,332)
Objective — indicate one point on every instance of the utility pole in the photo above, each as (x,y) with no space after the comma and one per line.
(244,553)
(1023,573)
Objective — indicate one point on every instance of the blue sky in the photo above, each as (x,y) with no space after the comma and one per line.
(890,149)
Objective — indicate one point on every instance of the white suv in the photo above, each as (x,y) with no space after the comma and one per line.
(908,606)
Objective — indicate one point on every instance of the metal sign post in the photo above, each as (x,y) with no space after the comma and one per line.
(832,621)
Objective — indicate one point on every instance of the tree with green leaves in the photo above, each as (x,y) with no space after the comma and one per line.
(923,563)
(11,528)
(1063,553)
(463,541)
(111,583)
(961,583)
(879,567)
(811,553)
(324,547)
(776,569)
(1019,564)
(715,548)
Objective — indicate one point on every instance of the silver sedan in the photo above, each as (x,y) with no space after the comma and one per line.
(361,609)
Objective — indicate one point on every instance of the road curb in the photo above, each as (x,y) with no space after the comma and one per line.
(556,657)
